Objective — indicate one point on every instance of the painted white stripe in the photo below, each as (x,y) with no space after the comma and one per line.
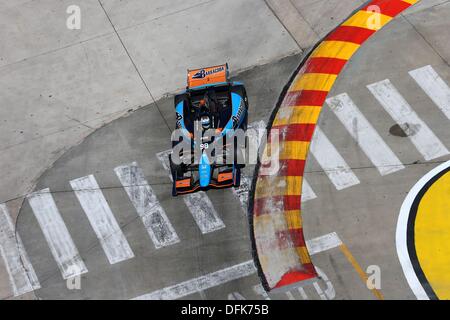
(290,295)
(147,205)
(365,135)
(329,291)
(398,108)
(235,272)
(303,294)
(323,243)
(402,229)
(199,204)
(255,133)
(319,291)
(236,296)
(242,192)
(307,192)
(56,234)
(332,162)
(202,283)
(259,290)
(434,87)
(102,220)
(21,273)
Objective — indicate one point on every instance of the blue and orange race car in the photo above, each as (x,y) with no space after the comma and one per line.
(209,113)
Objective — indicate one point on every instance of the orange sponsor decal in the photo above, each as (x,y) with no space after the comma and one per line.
(225,176)
(209,75)
(183,183)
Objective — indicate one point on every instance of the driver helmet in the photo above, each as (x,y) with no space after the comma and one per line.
(205,121)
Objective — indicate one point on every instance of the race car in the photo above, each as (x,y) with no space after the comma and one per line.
(211,111)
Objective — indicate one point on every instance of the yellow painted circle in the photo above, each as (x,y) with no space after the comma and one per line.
(432,234)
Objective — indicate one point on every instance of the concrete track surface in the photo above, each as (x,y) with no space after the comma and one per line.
(109,215)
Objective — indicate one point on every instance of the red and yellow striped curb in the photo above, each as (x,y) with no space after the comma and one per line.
(281,253)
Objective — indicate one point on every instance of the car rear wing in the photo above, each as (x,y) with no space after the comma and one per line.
(207,76)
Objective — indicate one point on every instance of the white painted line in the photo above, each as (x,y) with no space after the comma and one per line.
(332,162)
(236,296)
(202,209)
(434,87)
(22,277)
(290,295)
(147,205)
(323,243)
(55,232)
(307,192)
(235,272)
(303,293)
(202,283)
(421,135)
(242,192)
(319,291)
(199,204)
(259,290)
(102,220)
(255,132)
(365,135)
(329,291)
(402,229)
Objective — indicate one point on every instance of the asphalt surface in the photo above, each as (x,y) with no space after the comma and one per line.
(365,215)
(63,84)
(140,137)
(59,85)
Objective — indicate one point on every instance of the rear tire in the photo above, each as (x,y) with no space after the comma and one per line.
(237,179)
(173,172)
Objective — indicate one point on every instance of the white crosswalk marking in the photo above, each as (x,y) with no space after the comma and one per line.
(307,192)
(238,271)
(332,162)
(236,296)
(303,294)
(21,274)
(290,295)
(398,108)
(102,220)
(255,133)
(147,205)
(243,191)
(259,290)
(56,234)
(202,283)
(365,135)
(433,85)
(199,204)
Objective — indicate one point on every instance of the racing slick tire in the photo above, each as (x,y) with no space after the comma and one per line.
(237,179)
(176,171)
